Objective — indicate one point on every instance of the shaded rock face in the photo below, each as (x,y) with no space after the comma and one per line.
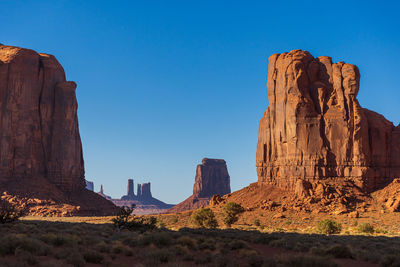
(144,201)
(41,150)
(143,192)
(39,124)
(314,128)
(211,178)
(89,185)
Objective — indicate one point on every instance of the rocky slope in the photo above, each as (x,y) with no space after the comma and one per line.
(41,150)
(211,179)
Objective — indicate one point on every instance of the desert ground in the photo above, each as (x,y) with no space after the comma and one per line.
(258,238)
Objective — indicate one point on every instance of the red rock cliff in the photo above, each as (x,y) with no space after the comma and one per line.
(314,128)
(40,138)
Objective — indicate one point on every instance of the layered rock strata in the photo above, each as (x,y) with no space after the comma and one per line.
(40,141)
(315,129)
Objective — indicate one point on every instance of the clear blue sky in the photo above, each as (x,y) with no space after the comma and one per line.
(162,84)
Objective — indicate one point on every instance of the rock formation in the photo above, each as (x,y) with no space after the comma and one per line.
(318,150)
(211,179)
(130,194)
(89,185)
(144,201)
(145,193)
(315,129)
(40,142)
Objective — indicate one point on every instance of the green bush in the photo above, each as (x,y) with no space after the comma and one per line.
(125,220)
(366,228)
(329,227)
(204,218)
(257,222)
(231,213)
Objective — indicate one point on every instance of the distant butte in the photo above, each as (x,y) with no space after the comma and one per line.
(212,178)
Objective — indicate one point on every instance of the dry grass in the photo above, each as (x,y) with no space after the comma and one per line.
(80,241)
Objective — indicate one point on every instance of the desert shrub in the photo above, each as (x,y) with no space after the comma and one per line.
(204,218)
(339,251)
(125,220)
(257,222)
(237,244)
(102,247)
(188,242)
(221,261)
(265,239)
(231,212)
(207,244)
(158,239)
(329,227)
(92,256)
(203,259)
(175,220)
(365,228)
(255,260)
(117,247)
(11,242)
(390,261)
(76,259)
(304,261)
(26,256)
(56,240)
(10,212)
(156,256)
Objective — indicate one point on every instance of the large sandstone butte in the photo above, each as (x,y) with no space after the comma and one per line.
(315,129)
(318,150)
(41,151)
(211,179)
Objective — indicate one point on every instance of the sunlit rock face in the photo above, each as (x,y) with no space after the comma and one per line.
(314,128)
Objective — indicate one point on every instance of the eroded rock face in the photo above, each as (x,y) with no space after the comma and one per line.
(39,124)
(314,128)
(211,178)
(40,145)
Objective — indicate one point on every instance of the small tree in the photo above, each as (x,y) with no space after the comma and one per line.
(329,227)
(204,218)
(9,212)
(124,216)
(125,220)
(231,212)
